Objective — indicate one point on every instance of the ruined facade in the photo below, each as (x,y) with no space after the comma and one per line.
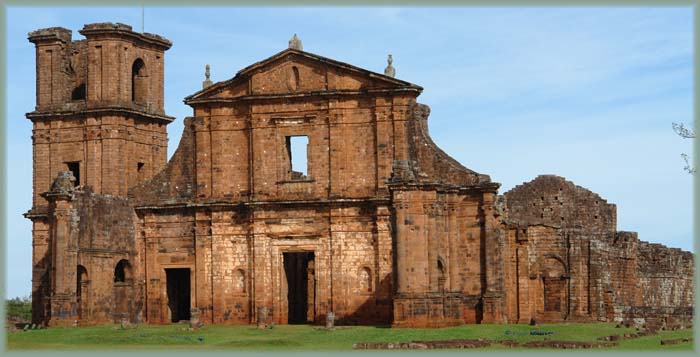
(380,227)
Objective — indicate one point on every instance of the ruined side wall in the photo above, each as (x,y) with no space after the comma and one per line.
(640,280)
(559,223)
(536,253)
(665,276)
(552,200)
(614,276)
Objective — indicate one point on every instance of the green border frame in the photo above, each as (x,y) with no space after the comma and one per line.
(427,3)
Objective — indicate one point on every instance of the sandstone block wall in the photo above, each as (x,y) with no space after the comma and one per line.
(89,262)
(666,273)
(608,272)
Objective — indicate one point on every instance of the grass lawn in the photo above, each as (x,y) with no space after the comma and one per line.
(304,337)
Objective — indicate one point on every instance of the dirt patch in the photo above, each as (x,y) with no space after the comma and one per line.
(479,343)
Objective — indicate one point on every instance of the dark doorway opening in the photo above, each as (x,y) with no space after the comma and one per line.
(299,269)
(178,281)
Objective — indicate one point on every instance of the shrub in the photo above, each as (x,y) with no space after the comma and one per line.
(19,308)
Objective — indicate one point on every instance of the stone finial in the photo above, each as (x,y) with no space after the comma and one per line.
(390,70)
(207,82)
(295,43)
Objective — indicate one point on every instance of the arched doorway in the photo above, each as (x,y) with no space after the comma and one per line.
(123,290)
(555,289)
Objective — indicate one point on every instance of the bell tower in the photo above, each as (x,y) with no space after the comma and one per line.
(99,107)
(99,114)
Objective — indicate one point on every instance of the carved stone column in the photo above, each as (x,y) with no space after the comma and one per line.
(64,268)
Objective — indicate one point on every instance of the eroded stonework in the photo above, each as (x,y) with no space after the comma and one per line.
(380,227)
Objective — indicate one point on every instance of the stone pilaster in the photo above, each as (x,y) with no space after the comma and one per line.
(64,306)
(493,297)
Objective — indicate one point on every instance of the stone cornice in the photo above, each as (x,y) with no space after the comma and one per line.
(230,204)
(302,95)
(118,110)
(442,187)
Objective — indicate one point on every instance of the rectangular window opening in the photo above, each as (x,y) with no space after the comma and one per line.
(297,149)
(74,167)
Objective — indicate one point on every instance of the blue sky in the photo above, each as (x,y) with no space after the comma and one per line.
(584,93)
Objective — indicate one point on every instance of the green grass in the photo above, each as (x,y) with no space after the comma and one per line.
(303,337)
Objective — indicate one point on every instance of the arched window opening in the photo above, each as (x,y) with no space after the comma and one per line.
(78,93)
(239,281)
(122,273)
(365,280)
(138,81)
(82,278)
(81,291)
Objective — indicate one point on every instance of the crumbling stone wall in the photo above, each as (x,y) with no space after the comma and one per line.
(666,273)
(551,200)
(613,274)
(608,272)
(90,260)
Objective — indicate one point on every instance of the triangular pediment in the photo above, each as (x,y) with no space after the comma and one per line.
(293,72)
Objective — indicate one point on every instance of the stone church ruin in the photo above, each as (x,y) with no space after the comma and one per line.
(379,227)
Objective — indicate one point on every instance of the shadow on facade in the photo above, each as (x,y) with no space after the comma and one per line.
(375,310)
